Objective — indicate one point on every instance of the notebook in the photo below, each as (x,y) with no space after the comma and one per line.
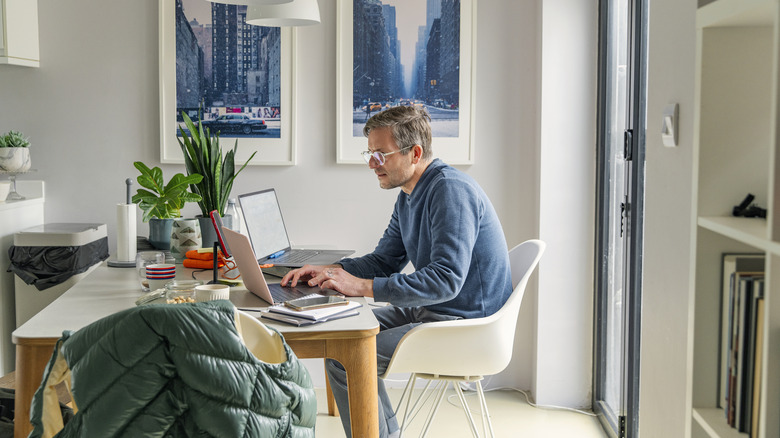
(252,275)
(268,234)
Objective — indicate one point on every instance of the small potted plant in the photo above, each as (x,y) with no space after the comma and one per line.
(203,156)
(161,203)
(14,152)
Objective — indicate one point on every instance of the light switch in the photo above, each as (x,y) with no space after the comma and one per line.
(669,125)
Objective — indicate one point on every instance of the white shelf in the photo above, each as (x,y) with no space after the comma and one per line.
(713,422)
(750,231)
(736,151)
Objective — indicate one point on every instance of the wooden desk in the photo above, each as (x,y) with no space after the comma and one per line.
(351,341)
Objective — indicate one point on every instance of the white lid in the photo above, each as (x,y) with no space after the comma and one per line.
(60,234)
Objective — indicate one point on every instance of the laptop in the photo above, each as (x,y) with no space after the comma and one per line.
(268,234)
(252,275)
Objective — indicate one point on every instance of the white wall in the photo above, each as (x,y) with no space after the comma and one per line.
(667,308)
(569,35)
(91,109)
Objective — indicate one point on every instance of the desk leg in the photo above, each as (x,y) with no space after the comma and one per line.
(358,356)
(31,360)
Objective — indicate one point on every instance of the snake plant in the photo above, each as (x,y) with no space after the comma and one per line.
(203,156)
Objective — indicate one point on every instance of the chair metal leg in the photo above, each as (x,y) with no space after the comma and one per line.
(485,414)
(435,407)
(410,388)
(466,409)
(409,384)
(412,410)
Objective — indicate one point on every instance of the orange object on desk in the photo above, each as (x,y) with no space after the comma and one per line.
(202,260)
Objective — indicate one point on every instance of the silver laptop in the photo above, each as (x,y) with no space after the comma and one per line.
(268,234)
(252,275)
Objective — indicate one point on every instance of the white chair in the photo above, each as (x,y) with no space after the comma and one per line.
(263,342)
(463,350)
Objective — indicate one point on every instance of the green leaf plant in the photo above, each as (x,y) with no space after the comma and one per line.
(203,156)
(160,200)
(14,139)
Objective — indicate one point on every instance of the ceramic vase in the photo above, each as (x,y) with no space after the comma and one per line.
(207,229)
(185,236)
(15,159)
(160,233)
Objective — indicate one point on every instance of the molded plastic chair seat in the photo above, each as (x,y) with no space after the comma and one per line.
(465,350)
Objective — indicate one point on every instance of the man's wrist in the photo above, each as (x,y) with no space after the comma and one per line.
(368,288)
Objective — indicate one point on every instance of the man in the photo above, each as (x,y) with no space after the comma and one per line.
(443,223)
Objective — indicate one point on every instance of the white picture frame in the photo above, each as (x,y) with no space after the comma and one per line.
(279,151)
(456,150)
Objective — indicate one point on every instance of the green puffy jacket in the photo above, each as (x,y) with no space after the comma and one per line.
(181,370)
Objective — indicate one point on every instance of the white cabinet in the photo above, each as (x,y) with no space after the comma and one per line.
(15,216)
(735,153)
(19,33)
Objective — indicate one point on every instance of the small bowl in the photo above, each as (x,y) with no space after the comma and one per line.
(209,292)
(183,290)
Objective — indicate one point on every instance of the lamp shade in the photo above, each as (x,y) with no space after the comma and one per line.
(295,13)
(250,2)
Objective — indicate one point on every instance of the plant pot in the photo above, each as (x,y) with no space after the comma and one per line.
(185,236)
(208,233)
(15,159)
(160,233)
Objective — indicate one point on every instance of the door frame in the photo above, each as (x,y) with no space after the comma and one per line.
(626,425)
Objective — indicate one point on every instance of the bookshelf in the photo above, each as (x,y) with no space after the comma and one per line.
(735,153)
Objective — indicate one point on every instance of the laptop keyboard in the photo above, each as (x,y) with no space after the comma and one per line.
(296,256)
(283,294)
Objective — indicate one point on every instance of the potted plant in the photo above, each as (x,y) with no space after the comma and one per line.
(161,203)
(14,152)
(203,156)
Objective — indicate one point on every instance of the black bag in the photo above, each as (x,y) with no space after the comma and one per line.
(7,413)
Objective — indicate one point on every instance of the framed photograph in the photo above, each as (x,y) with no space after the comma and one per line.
(406,52)
(237,78)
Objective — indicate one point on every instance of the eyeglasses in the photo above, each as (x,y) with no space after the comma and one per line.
(380,156)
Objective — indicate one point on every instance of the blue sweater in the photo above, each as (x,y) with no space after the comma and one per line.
(448,229)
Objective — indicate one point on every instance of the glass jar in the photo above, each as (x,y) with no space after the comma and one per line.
(181,291)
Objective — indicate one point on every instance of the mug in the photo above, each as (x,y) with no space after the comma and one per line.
(209,292)
(144,258)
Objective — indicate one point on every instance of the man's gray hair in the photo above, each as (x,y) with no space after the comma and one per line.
(410,125)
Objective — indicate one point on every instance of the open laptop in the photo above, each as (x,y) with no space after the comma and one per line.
(268,234)
(252,275)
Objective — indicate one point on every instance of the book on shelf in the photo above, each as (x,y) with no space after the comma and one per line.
(732,263)
(748,287)
(757,369)
(752,363)
(741,343)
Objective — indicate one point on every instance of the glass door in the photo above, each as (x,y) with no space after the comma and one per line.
(620,159)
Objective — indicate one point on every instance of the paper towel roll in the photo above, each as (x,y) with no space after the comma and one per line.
(125,232)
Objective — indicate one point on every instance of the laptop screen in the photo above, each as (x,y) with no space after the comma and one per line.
(264,223)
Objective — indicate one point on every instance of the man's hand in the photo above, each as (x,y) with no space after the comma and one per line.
(332,277)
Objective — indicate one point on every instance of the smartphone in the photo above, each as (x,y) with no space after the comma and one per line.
(307,303)
(216,220)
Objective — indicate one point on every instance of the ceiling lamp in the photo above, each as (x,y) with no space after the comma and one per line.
(250,2)
(295,13)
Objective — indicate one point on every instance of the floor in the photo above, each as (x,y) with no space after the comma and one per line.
(510,414)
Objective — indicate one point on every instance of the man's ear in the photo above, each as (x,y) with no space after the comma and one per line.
(417,150)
